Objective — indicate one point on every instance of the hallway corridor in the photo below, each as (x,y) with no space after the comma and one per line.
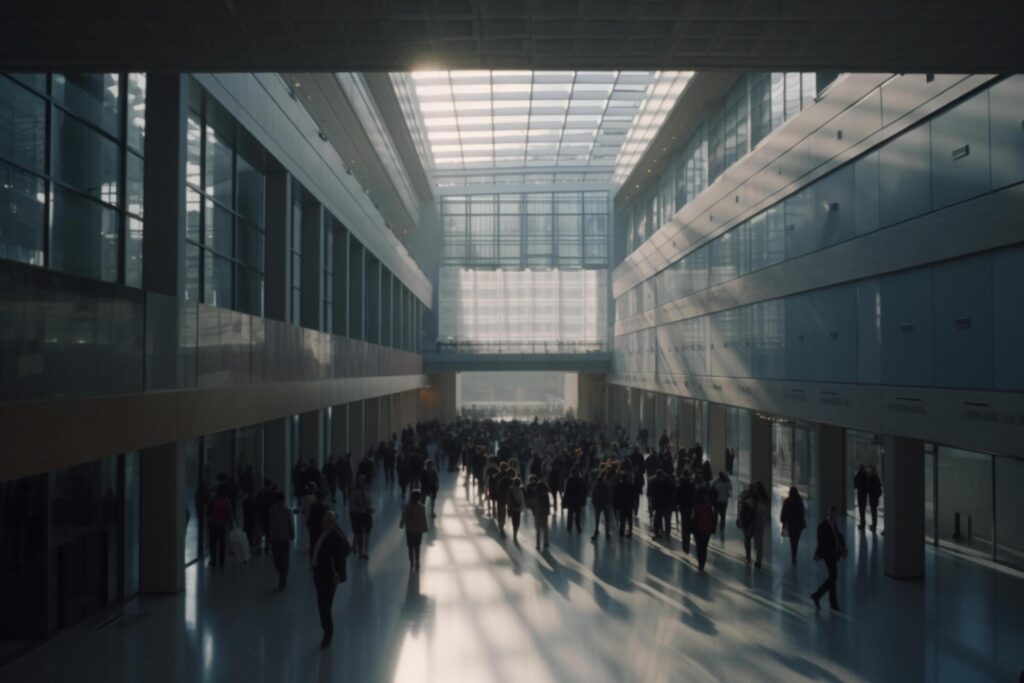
(483,610)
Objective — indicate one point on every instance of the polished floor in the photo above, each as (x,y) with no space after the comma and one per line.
(484,610)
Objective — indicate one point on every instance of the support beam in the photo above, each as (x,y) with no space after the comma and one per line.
(277,467)
(310,437)
(903,488)
(830,486)
(162,519)
(715,447)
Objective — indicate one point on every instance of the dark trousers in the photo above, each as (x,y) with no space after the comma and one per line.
(874,516)
(218,544)
(598,511)
(748,538)
(720,509)
(702,549)
(516,516)
(794,542)
(829,585)
(280,554)
(574,514)
(686,528)
(662,521)
(324,602)
(625,520)
(862,504)
(413,542)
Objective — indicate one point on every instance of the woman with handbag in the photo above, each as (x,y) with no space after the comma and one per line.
(328,563)
(793,519)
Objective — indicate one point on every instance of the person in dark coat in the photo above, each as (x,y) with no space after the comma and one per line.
(685,495)
(345,476)
(860,485)
(703,525)
(601,500)
(793,519)
(328,562)
(874,495)
(623,497)
(314,520)
(831,549)
(574,499)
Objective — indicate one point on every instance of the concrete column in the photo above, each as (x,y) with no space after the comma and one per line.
(340,291)
(357,429)
(275,454)
(372,419)
(356,290)
(310,433)
(688,423)
(311,311)
(761,451)
(162,519)
(633,397)
(339,426)
(830,485)
(647,416)
(442,396)
(278,260)
(715,447)
(903,488)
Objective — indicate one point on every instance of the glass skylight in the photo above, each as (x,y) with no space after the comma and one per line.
(516,122)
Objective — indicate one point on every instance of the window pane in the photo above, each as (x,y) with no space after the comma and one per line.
(1010,510)
(250,192)
(193,209)
(85,159)
(194,165)
(191,272)
(136,110)
(94,97)
(22,126)
(133,253)
(83,236)
(22,207)
(134,184)
(217,285)
(250,291)
(218,169)
(249,245)
(218,229)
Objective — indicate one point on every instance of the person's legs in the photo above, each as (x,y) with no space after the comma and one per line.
(622,514)
(794,542)
(546,529)
(759,546)
(861,505)
(280,551)
(416,549)
(433,498)
(501,518)
(222,544)
(629,524)
(702,549)
(874,516)
(325,600)
(747,538)
(516,517)
(721,508)
(597,521)
(579,515)
(684,527)
(607,522)
(833,576)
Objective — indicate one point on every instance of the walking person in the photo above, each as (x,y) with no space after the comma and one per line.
(624,498)
(281,532)
(601,500)
(831,548)
(360,512)
(746,513)
(574,498)
(414,521)
(431,484)
(314,520)
(874,495)
(762,517)
(684,502)
(860,485)
(328,563)
(723,492)
(220,518)
(516,501)
(703,526)
(793,520)
(541,504)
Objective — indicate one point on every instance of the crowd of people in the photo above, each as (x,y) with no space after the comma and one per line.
(509,468)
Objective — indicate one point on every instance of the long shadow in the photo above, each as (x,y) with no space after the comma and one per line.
(800,665)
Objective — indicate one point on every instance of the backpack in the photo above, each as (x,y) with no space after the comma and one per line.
(705,520)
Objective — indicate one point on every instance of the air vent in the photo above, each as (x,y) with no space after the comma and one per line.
(962,324)
(907,328)
(961,152)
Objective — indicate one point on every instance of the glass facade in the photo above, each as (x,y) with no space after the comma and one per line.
(758,104)
(560,229)
(69,545)
(564,309)
(71,160)
(225,215)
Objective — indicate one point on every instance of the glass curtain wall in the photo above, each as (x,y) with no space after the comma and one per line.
(794,456)
(71,173)
(863,448)
(69,546)
(737,444)
(225,208)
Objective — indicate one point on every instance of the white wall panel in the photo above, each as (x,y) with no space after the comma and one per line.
(865,194)
(1008,312)
(960,152)
(907,328)
(1007,126)
(869,331)
(800,337)
(962,322)
(905,189)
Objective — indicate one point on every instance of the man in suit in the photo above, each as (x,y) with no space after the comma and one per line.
(831,549)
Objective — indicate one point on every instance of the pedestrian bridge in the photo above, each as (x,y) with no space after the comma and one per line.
(590,357)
